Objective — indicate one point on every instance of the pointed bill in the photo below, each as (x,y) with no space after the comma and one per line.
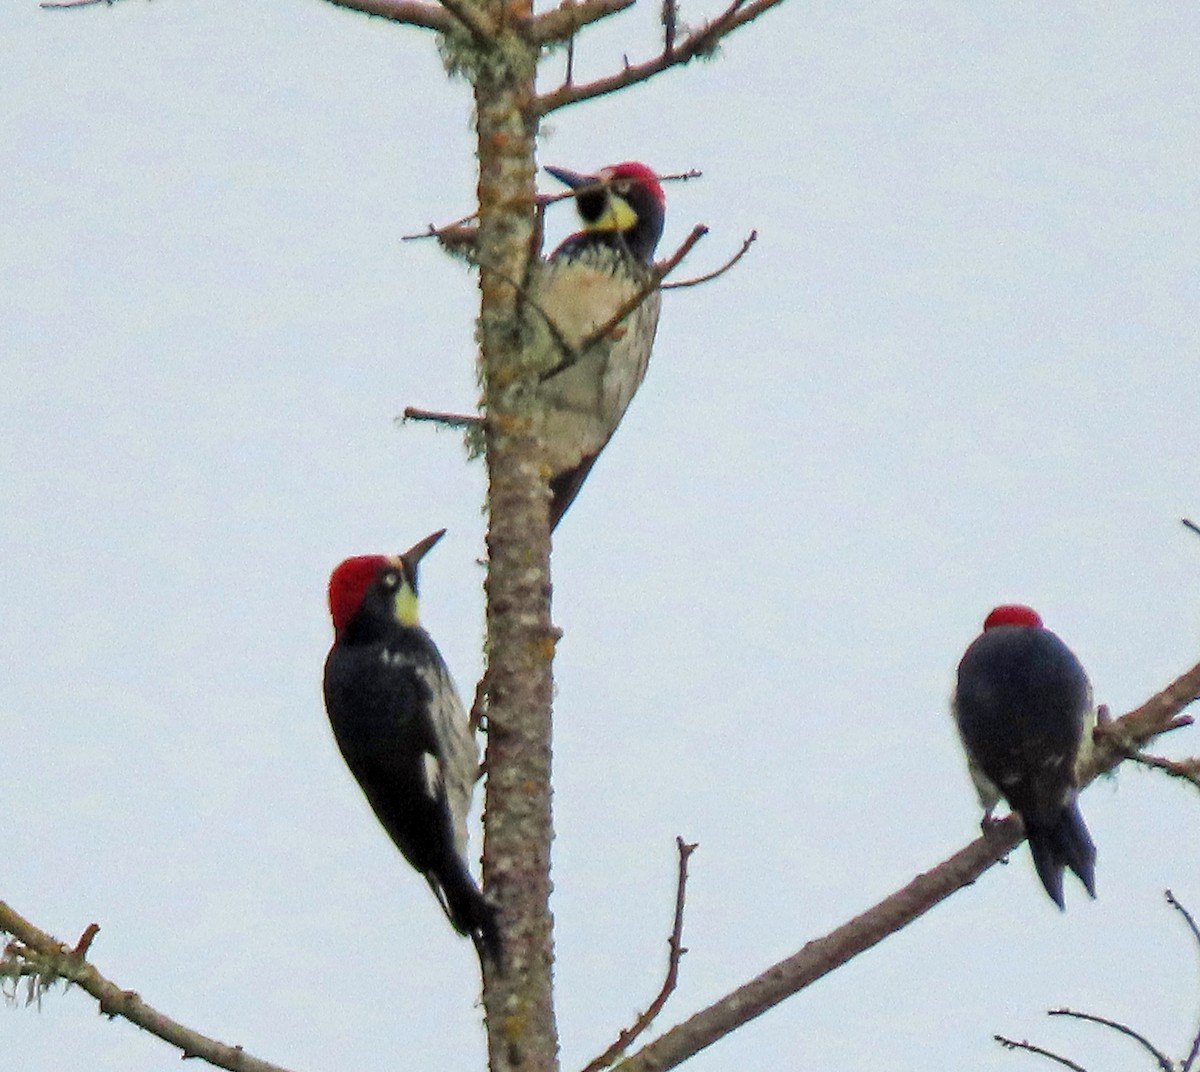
(573,179)
(414,554)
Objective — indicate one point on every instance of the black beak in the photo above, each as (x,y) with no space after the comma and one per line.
(572,178)
(417,552)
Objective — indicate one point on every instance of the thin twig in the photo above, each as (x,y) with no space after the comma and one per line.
(699,42)
(431,231)
(676,949)
(85,940)
(602,184)
(458,233)
(1188,918)
(1191,525)
(657,274)
(670,21)
(824,955)
(447,420)
(709,276)
(1187,770)
(54,960)
(48,4)
(1164,1062)
(1012,1044)
(1193,1053)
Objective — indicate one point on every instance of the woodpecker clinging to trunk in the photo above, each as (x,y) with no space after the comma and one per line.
(402,729)
(1024,711)
(587,382)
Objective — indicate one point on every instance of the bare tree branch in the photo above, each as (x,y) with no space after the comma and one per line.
(751,238)
(1187,770)
(406,12)
(675,953)
(1164,1062)
(563,22)
(1191,525)
(1156,716)
(1190,1060)
(1012,1044)
(52,959)
(700,42)
(823,955)
(442,16)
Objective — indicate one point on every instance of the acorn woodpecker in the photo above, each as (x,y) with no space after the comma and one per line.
(1024,711)
(402,729)
(588,382)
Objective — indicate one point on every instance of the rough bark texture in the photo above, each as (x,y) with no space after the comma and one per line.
(522,1034)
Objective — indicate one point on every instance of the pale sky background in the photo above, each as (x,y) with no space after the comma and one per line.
(959,368)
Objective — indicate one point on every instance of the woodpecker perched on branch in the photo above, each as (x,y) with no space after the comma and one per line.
(402,729)
(1024,711)
(593,366)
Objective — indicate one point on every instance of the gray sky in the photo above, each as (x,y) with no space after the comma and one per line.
(959,368)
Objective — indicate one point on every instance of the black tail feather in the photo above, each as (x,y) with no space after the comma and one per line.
(1063,843)
(565,486)
(468,910)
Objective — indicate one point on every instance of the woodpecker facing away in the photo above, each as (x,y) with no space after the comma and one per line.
(402,729)
(1024,711)
(584,283)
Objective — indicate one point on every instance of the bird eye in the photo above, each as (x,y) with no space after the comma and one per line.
(622,187)
(390,579)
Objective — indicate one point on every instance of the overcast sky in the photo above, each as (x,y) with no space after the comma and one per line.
(960,367)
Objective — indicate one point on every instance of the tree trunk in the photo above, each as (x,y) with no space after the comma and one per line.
(521,1029)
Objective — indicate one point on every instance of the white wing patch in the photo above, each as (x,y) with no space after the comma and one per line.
(433,775)
(1087,745)
(989,793)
